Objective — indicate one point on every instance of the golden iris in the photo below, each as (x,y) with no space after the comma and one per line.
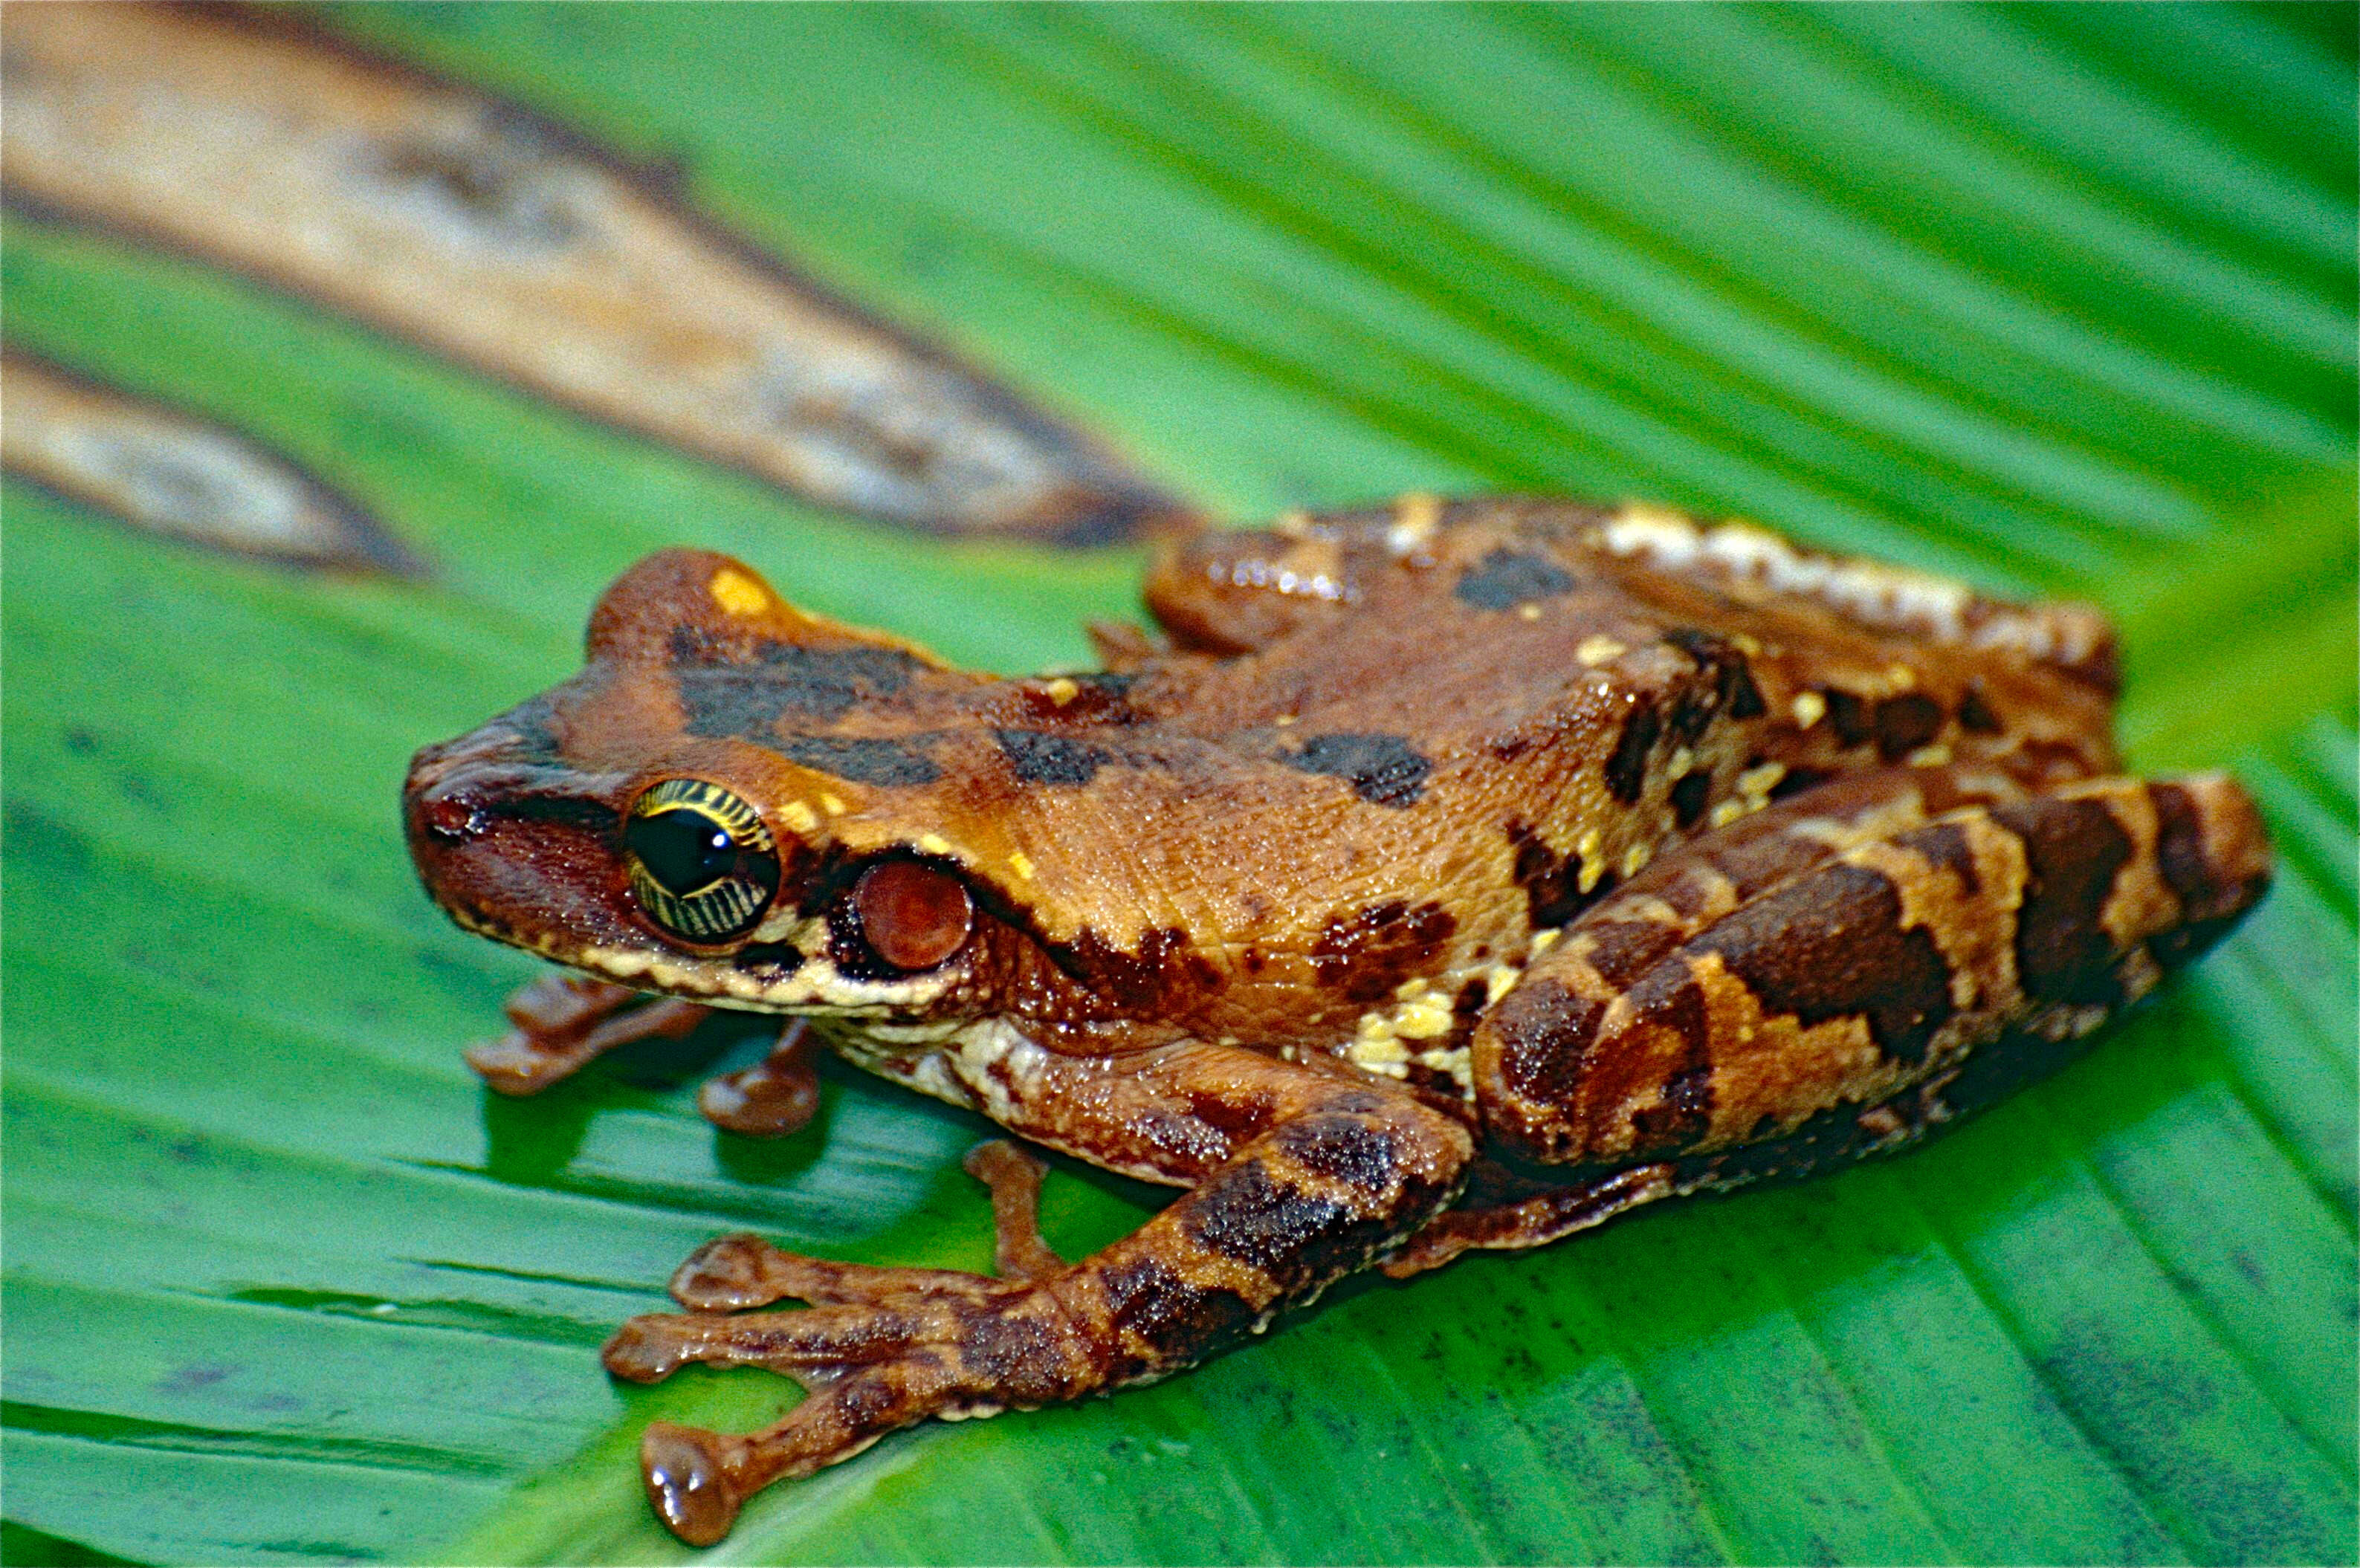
(702,863)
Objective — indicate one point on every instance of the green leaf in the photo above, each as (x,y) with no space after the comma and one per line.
(2061,298)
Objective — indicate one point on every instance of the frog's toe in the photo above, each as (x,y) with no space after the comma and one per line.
(773,1098)
(733,1272)
(728,1273)
(689,1479)
(645,1350)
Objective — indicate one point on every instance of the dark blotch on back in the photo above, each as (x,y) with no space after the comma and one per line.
(1626,770)
(885,762)
(1041,758)
(1552,882)
(726,695)
(1368,953)
(1975,714)
(1688,798)
(2073,849)
(1831,944)
(1507,578)
(1733,688)
(1383,769)
(1905,722)
(1847,715)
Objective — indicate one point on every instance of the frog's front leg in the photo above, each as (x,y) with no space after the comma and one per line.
(1300,1176)
(563,1021)
(1850,971)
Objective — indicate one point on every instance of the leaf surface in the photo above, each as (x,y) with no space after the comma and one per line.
(2059,298)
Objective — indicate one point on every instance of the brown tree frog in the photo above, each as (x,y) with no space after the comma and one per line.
(1441,877)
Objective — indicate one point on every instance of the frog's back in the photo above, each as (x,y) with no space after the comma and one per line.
(1494,711)
(1378,753)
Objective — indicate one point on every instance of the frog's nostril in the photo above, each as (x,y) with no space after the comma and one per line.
(451,818)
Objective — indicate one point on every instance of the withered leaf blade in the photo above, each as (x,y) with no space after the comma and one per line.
(464,222)
(170,472)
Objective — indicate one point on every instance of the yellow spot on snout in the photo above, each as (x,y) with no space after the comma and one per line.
(799,816)
(738,593)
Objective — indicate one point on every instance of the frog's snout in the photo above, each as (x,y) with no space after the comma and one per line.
(506,840)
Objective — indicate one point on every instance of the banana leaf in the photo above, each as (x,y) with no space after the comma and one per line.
(2060,299)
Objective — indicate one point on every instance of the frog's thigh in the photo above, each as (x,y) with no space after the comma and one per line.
(1886,958)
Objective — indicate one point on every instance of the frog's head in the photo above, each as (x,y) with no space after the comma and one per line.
(735,800)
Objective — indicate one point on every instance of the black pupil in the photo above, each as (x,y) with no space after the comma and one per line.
(684,850)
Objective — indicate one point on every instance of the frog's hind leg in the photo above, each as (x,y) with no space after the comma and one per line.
(1825,963)
(1518,1211)
(1534,1216)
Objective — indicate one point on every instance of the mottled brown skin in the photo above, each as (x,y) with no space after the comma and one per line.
(1445,876)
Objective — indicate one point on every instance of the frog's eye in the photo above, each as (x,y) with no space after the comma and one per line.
(912,915)
(703,863)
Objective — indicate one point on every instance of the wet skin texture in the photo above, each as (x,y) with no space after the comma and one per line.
(1446,876)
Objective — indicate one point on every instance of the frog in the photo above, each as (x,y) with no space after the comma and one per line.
(1434,877)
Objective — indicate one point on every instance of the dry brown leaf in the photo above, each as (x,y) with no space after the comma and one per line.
(450,217)
(171,474)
